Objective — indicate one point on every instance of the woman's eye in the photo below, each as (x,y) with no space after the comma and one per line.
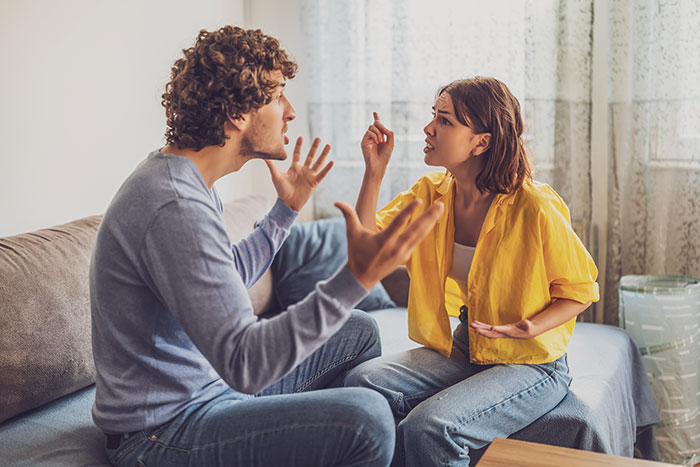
(446,121)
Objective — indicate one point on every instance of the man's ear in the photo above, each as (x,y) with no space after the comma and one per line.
(483,144)
(239,123)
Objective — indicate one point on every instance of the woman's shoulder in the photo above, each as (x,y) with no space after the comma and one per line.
(537,196)
(431,182)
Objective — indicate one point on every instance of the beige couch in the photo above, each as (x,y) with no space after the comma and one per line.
(46,367)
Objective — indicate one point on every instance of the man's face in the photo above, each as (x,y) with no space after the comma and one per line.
(264,136)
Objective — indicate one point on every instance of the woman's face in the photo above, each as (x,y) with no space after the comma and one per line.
(448,142)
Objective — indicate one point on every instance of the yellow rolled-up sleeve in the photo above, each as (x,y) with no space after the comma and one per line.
(570,269)
(387,214)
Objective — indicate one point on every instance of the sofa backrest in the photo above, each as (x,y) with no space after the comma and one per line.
(45,342)
(45,349)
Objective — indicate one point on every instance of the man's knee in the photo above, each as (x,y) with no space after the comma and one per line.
(369,374)
(371,409)
(366,329)
(371,416)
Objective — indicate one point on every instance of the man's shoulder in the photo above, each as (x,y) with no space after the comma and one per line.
(161,179)
(160,184)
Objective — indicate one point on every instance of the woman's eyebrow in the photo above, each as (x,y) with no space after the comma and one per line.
(441,111)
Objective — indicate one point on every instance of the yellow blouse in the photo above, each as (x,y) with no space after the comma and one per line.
(527,254)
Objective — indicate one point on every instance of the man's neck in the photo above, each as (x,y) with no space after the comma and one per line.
(213,162)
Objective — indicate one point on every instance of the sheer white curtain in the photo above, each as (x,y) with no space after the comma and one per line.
(392,56)
(654,115)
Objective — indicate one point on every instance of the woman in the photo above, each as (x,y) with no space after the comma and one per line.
(503,257)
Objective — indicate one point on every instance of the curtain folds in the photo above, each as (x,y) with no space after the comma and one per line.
(654,118)
(392,56)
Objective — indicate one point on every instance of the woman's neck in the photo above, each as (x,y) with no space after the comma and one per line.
(465,183)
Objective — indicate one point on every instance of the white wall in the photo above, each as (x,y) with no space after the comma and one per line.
(80,88)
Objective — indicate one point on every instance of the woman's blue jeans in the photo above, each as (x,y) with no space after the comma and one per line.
(446,407)
(295,422)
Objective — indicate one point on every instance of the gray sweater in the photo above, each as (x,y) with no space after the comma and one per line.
(172,323)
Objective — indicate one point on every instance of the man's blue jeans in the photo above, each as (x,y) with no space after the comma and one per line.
(295,422)
(445,407)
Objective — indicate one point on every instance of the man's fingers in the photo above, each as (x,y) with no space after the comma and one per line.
(296,155)
(352,221)
(273,168)
(421,226)
(375,115)
(322,158)
(401,219)
(312,151)
(322,174)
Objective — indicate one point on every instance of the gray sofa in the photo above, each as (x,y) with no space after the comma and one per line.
(47,372)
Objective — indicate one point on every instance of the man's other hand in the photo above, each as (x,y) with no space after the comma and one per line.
(294,187)
(374,255)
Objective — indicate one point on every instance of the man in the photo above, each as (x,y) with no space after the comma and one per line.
(186,373)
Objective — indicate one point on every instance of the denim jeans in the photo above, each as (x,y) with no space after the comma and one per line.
(445,407)
(296,422)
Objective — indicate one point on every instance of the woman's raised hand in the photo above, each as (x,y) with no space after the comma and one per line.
(377,145)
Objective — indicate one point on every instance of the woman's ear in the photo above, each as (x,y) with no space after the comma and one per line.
(482,144)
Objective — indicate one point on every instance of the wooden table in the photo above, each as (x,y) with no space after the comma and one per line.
(511,452)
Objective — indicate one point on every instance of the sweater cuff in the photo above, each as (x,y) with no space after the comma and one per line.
(282,215)
(345,288)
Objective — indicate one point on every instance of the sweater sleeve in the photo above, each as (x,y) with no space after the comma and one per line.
(253,255)
(190,267)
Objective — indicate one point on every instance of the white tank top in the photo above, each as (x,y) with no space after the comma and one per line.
(462,257)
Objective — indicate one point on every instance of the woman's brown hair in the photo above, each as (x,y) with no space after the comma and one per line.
(226,73)
(486,105)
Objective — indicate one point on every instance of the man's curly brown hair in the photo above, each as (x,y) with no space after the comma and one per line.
(226,72)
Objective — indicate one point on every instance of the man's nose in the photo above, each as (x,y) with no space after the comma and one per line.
(290,114)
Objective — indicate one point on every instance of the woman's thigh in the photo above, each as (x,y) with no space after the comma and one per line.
(410,377)
(495,402)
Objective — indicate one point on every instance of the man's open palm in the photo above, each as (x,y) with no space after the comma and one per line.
(374,255)
(295,186)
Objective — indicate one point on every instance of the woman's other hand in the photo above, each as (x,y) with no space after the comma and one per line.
(521,330)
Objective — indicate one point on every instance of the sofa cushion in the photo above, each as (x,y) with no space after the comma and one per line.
(45,349)
(58,434)
(314,251)
(240,217)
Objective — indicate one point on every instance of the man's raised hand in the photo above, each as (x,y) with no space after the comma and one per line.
(294,187)
(374,255)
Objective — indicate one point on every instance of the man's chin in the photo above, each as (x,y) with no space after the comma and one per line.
(279,155)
